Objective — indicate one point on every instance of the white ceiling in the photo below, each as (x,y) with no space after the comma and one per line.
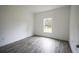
(41,8)
(35,8)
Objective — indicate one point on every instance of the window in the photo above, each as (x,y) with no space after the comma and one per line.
(47,25)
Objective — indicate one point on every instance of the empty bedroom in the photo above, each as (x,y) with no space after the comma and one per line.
(39,29)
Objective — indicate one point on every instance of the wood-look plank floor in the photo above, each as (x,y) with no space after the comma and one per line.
(37,44)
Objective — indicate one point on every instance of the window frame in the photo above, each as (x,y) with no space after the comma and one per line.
(51,25)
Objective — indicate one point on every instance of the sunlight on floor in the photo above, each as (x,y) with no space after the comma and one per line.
(46,45)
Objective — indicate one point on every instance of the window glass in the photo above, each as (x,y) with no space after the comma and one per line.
(47,25)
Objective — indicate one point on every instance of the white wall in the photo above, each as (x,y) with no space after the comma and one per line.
(74,28)
(16,23)
(60,23)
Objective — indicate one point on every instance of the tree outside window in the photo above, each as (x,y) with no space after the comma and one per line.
(47,25)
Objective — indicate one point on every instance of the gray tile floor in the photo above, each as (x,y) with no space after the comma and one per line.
(37,44)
